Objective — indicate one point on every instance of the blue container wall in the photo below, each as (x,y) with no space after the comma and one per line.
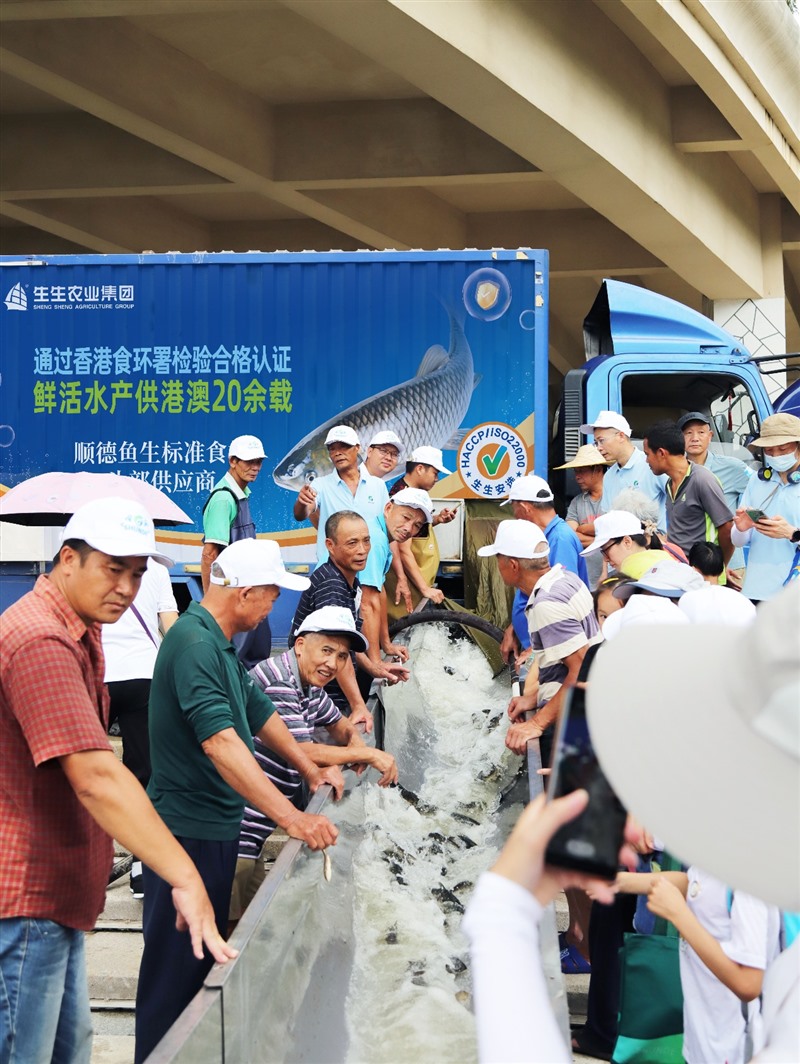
(149,366)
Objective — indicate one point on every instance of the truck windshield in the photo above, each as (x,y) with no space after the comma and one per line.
(651,397)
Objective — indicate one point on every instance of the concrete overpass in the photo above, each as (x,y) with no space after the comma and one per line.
(655,140)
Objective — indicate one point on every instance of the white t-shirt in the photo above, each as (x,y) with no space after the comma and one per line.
(129,651)
(714,1024)
(515,1019)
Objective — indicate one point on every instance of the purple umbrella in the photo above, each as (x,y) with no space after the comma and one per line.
(52,498)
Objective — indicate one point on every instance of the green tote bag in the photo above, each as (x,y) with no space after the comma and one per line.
(651,1000)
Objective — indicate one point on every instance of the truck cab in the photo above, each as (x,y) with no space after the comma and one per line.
(652,358)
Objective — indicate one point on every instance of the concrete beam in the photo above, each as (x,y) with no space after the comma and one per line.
(790,227)
(27,240)
(424,220)
(58,156)
(565,346)
(693,33)
(697,125)
(561,86)
(320,144)
(39,10)
(297,234)
(114,226)
(581,242)
(125,77)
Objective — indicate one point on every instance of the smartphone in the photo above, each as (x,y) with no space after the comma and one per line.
(755,515)
(592,842)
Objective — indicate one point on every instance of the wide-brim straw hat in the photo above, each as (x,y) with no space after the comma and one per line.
(588,455)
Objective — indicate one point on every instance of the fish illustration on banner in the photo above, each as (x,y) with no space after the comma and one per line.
(426,410)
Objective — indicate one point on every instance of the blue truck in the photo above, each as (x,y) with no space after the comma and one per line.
(149,365)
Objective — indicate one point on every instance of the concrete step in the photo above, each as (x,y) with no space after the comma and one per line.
(112,1049)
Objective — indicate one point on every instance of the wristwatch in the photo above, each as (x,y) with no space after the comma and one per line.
(795,536)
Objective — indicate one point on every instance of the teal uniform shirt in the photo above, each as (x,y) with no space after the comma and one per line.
(221,511)
(199,688)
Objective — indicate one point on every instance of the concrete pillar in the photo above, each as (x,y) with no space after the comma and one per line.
(761,323)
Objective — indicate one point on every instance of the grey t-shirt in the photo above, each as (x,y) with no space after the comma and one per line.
(700,496)
(582,509)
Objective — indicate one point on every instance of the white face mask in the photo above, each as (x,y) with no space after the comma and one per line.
(781,463)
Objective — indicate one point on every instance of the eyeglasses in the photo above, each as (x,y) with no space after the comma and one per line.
(607,547)
(389,452)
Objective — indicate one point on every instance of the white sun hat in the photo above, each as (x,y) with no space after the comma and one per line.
(613,525)
(431,456)
(116,526)
(517,539)
(607,419)
(416,498)
(254,563)
(334,620)
(342,434)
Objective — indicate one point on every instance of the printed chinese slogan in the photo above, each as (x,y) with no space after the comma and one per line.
(161,379)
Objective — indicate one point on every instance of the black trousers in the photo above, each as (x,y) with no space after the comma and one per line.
(170,975)
(129,700)
(607,925)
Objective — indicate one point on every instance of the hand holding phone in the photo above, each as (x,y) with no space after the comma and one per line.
(755,515)
(590,843)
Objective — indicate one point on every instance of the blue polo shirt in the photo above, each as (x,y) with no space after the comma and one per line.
(636,473)
(769,560)
(733,474)
(565,550)
(379,559)
(334,495)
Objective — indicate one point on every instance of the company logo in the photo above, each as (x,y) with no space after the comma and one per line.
(16,298)
(71,297)
(490,459)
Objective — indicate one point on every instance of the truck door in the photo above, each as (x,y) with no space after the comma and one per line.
(735,401)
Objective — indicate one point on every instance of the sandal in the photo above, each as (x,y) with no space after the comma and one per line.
(572,960)
(588,1045)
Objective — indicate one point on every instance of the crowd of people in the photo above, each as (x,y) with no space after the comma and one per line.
(230,749)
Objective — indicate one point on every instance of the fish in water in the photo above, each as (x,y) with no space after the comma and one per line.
(426,410)
(447,900)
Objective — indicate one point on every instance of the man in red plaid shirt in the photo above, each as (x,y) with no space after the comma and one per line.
(64,794)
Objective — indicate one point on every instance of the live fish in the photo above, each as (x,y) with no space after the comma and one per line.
(426,410)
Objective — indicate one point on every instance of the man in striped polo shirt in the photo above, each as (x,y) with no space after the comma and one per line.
(336,583)
(561,622)
(294,682)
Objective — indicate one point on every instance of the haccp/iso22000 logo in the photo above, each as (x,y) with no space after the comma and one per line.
(490,459)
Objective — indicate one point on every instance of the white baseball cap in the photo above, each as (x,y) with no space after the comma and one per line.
(334,620)
(529,489)
(254,563)
(672,579)
(613,525)
(386,437)
(416,498)
(116,526)
(431,456)
(342,434)
(247,448)
(727,799)
(517,539)
(607,419)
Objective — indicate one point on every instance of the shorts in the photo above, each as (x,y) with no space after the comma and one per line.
(250,874)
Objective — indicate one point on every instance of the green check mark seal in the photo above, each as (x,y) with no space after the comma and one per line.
(491,465)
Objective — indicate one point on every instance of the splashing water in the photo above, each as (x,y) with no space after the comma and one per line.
(372,966)
(416,866)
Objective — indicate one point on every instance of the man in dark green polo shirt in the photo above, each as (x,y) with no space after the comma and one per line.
(204,711)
